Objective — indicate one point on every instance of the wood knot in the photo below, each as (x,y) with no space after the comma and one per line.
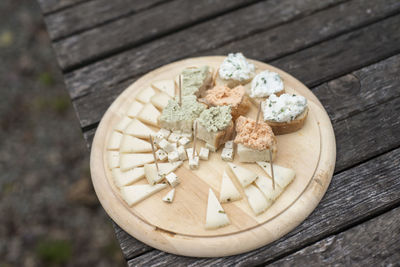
(348,85)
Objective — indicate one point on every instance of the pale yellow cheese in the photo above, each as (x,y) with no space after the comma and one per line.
(131,144)
(139,129)
(122,124)
(134,109)
(167,86)
(133,194)
(149,114)
(126,178)
(243,175)
(256,199)
(114,141)
(265,185)
(113,159)
(130,161)
(160,100)
(145,95)
(228,191)
(216,216)
(283,176)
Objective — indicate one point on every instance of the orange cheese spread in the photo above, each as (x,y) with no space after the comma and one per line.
(223,95)
(260,139)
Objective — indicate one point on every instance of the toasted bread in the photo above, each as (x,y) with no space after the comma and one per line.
(289,127)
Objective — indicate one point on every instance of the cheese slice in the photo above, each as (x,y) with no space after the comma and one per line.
(160,100)
(134,109)
(228,191)
(216,216)
(139,129)
(128,177)
(167,86)
(115,140)
(123,123)
(164,168)
(169,197)
(131,144)
(145,95)
(113,159)
(243,175)
(265,185)
(256,199)
(130,161)
(283,176)
(133,194)
(149,114)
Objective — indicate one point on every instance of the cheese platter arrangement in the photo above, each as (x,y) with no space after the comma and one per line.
(212,156)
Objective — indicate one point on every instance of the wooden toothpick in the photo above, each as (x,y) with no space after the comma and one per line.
(180,90)
(272,169)
(258,116)
(194,138)
(154,153)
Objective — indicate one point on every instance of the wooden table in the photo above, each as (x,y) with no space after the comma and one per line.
(347,52)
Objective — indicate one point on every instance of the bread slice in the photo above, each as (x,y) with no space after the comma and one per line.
(291,126)
(215,139)
(247,154)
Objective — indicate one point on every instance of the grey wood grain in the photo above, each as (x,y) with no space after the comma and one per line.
(48,6)
(90,14)
(373,242)
(348,201)
(122,34)
(324,61)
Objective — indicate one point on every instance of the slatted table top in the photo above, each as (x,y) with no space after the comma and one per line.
(347,52)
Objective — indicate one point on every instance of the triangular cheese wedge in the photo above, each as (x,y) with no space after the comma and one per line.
(167,86)
(151,173)
(228,192)
(160,100)
(169,197)
(149,114)
(265,185)
(132,194)
(113,159)
(256,199)
(283,176)
(115,140)
(145,95)
(164,168)
(131,144)
(128,177)
(130,161)
(122,124)
(243,175)
(139,129)
(134,109)
(216,216)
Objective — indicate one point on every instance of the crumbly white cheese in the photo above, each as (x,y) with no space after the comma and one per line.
(265,84)
(173,156)
(161,155)
(172,179)
(204,153)
(236,67)
(227,154)
(284,108)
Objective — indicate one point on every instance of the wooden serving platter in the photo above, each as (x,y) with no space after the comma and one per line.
(179,227)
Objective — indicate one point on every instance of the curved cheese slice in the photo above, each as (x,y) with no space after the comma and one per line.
(139,129)
(128,177)
(122,124)
(283,176)
(265,185)
(115,140)
(256,199)
(169,197)
(145,95)
(160,100)
(243,175)
(164,168)
(130,161)
(133,194)
(134,109)
(149,114)
(216,216)
(167,86)
(228,191)
(131,144)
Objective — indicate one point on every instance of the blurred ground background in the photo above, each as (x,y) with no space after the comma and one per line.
(49,213)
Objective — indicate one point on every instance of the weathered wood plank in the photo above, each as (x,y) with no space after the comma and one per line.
(48,6)
(348,201)
(373,242)
(92,80)
(127,32)
(90,14)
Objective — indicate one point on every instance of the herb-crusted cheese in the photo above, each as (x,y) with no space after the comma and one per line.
(236,67)
(193,79)
(216,119)
(265,84)
(175,117)
(284,108)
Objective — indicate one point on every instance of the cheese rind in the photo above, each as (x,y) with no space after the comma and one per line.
(169,197)
(145,95)
(114,141)
(283,176)
(265,185)
(256,199)
(133,194)
(149,114)
(243,175)
(138,129)
(131,144)
(130,161)
(126,178)
(228,191)
(216,216)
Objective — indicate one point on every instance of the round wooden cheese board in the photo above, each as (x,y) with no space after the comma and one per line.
(178,227)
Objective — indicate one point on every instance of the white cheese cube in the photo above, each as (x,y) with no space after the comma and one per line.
(182,153)
(172,179)
(174,137)
(177,132)
(189,152)
(229,144)
(173,156)
(169,197)
(164,132)
(194,163)
(187,135)
(161,155)
(211,147)
(227,154)
(184,141)
(166,146)
(204,153)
